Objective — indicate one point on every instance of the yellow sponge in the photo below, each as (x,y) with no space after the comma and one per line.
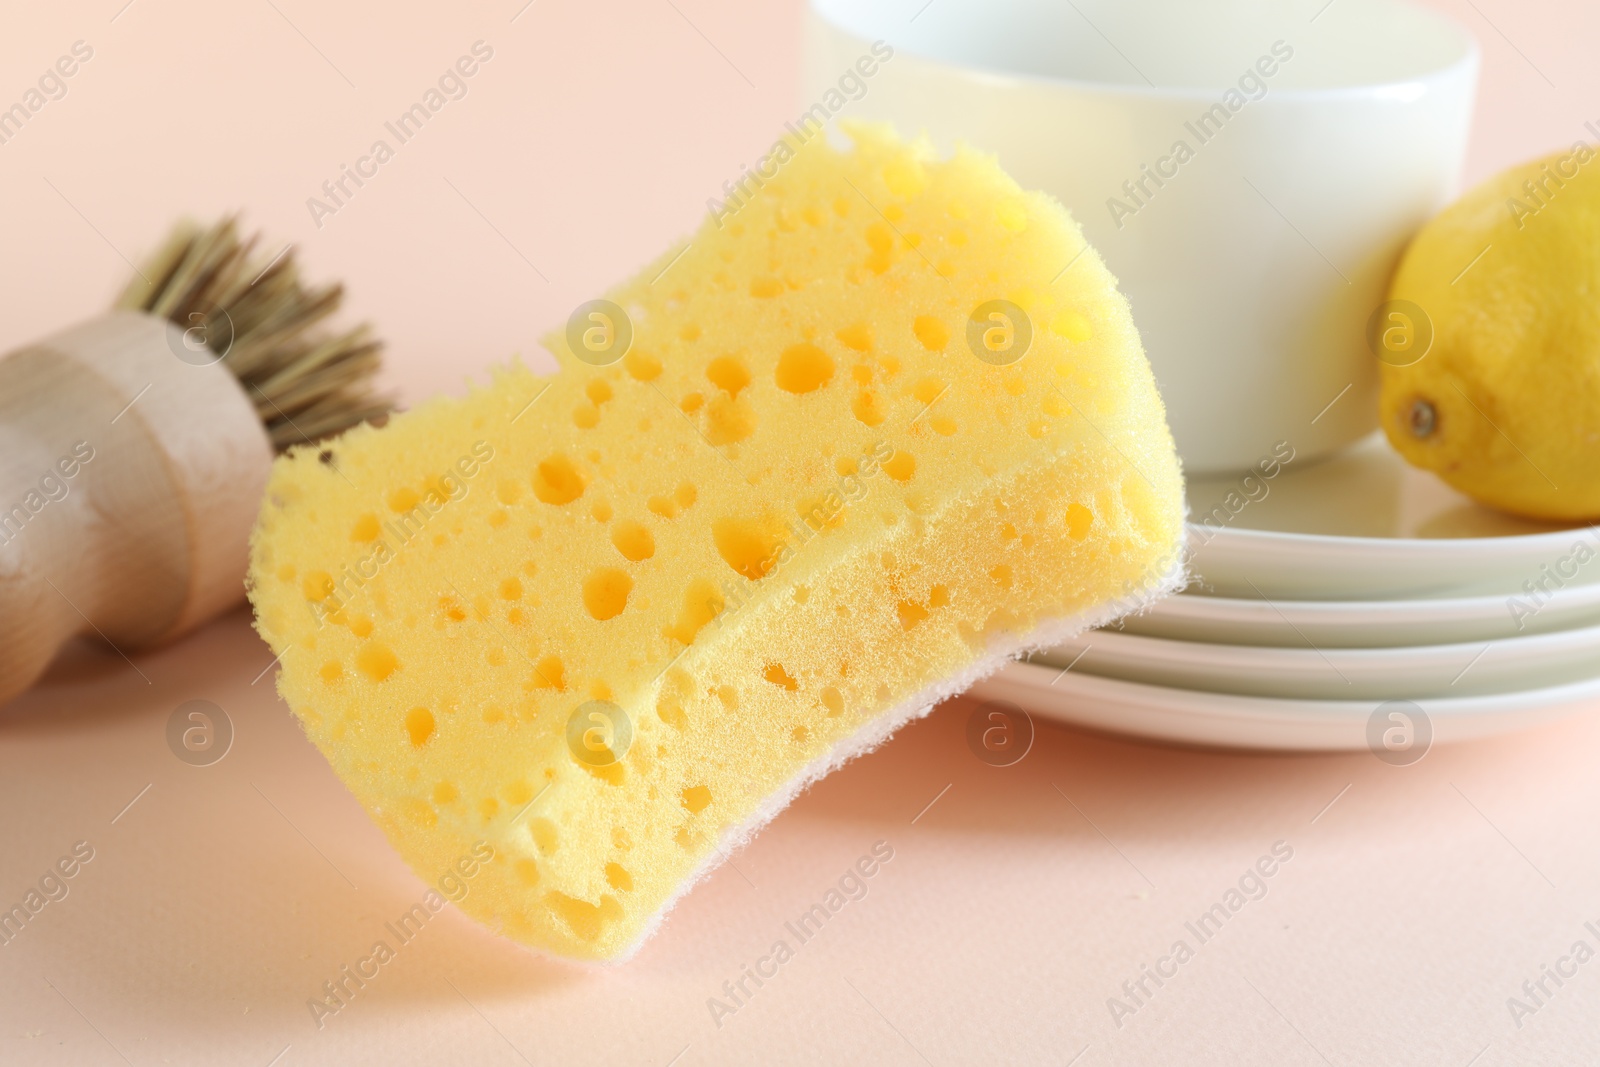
(881,424)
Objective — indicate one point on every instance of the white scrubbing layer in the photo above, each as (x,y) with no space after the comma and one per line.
(883,726)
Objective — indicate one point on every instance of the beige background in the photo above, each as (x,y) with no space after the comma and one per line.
(224,896)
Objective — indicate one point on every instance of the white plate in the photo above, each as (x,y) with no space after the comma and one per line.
(1262,722)
(1365,526)
(1308,673)
(1364,623)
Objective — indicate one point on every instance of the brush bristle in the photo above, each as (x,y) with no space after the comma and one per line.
(306,384)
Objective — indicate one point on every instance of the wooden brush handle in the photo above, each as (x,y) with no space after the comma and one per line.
(129,481)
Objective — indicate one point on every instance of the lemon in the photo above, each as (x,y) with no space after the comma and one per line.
(1490,341)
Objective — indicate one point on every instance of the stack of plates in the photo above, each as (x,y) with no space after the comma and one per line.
(1325,593)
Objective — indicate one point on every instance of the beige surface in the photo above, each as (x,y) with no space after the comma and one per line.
(223,898)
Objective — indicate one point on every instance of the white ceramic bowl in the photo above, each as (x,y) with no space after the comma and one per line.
(1254,264)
